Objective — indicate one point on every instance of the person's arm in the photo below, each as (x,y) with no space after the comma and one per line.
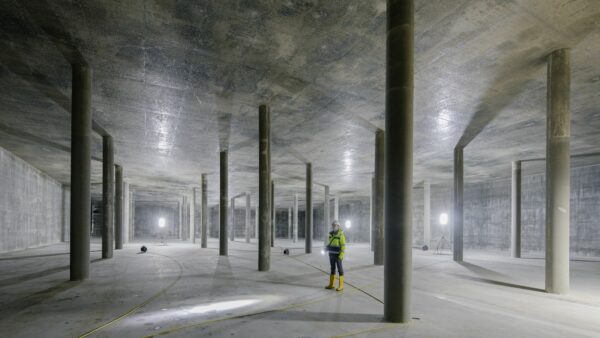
(342,245)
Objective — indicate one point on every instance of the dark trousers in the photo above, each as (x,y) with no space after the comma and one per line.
(334,259)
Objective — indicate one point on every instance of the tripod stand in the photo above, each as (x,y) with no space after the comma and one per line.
(440,245)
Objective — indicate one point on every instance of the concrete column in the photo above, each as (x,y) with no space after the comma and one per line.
(132,215)
(273,214)
(457,217)
(108,197)
(179,230)
(326,210)
(256,221)
(427,213)
(81,157)
(295,221)
(224,198)
(558,172)
(193,223)
(398,160)
(289,232)
(118,207)
(309,209)
(372,215)
(248,216)
(204,215)
(264,188)
(515,224)
(66,213)
(126,218)
(232,226)
(378,207)
(336,208)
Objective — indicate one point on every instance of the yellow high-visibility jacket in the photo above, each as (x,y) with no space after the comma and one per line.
(337,242)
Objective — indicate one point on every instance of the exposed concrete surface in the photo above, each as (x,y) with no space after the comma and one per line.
(194,292)
(31,205)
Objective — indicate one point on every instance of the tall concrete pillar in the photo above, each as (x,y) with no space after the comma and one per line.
(309,210)
(558,172)
(515,224)
(66,213)
(378,245)
(119,207)
(295,221)
(248,216)
(256,221)
(81,157)
(264,188)
(180,206)
(194,223)
(232,226)
(108,197)
(224,198)
(372,211)
(457,217)
(204,215)
(326,211)
(132,215)
(336,208)
(273,214)
(126,209)
(289,232)
(427,213)
(398,160)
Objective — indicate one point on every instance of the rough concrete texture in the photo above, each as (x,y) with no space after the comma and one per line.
(179,290)
(170,76)
(31,205)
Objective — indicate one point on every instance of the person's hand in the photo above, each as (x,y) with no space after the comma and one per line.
(341,257)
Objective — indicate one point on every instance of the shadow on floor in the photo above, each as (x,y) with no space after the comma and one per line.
(326,317)
(496,282)
(481,271)
(38,274)
(38,256)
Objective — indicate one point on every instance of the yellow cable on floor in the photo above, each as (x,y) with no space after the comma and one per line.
(139,306)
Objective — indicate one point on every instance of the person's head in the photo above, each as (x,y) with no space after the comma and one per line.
(335,225)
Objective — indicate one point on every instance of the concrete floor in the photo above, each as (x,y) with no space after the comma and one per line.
(179,289)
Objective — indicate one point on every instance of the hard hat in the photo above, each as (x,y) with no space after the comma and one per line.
(335,222)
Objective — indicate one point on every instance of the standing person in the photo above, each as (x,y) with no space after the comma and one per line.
(336,246)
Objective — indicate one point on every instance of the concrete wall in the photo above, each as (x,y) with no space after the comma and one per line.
(146,220)
(31,205)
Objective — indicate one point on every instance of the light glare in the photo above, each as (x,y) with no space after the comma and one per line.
(348,224)
(443,218)
(161,222)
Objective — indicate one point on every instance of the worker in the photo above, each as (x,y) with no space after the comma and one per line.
(336,246)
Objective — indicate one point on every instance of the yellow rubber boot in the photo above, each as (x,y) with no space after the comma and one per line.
(341,285)
(331,280)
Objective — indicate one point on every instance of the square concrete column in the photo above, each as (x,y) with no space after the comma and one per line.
(558,171)
(108,197)
(378,206)
(223,199)
(427,213)
(126,216)
(457,217)
(256,221)
(247,219)
(81,157)
(309,210)
(273,214)
(295,220)
(119,207)
(336,208)
(204,215)
(264,188)
(66,213)
(194,224)
(289,232)
(132,216)
(515,224)
(179,229)
(232,226)
(326,220)
(398,161)
(372,218)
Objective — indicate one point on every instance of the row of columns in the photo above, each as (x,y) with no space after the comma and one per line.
(557,207)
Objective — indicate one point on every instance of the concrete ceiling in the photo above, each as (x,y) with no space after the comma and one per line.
(175,82)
